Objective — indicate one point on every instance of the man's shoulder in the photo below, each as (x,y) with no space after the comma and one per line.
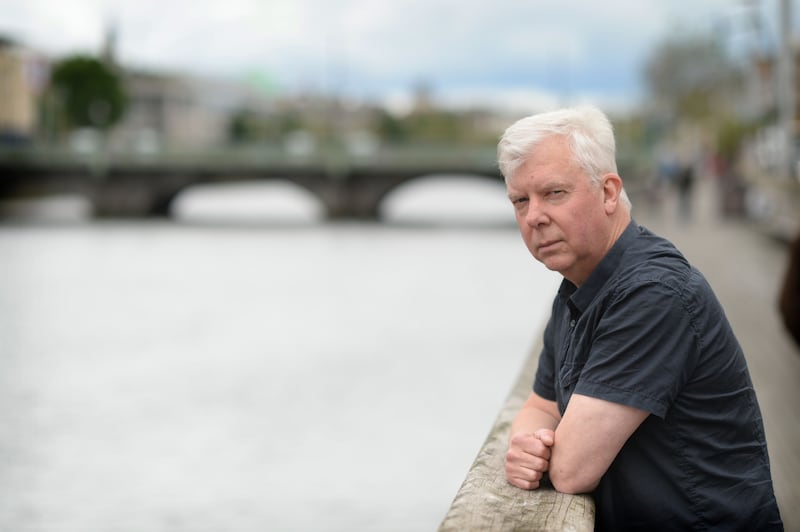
(654,265)
(649,257)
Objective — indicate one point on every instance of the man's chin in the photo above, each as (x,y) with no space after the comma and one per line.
(552,263)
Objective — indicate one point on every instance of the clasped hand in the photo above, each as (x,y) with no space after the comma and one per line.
(528,458)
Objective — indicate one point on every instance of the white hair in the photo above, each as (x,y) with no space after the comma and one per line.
(587,129)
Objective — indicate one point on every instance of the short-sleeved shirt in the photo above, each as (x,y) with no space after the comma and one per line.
(646,330)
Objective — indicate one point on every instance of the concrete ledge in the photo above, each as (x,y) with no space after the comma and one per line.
(486,502)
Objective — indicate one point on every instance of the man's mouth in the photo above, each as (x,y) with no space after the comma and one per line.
(544,246)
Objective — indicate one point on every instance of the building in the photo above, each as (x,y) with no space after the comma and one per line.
(23,77)
(179,112)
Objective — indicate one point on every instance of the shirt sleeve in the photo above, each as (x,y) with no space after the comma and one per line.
(644,349)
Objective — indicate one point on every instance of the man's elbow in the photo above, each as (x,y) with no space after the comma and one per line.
(572,482)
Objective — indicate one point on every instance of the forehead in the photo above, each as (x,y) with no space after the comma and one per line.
(549,160)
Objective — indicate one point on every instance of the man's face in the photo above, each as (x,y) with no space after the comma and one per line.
(560,213)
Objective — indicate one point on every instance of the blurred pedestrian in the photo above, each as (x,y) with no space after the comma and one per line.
(642,395)
(789,299)
(684,182)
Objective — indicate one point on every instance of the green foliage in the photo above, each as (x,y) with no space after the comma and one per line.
(90,93)
(239,128)
(433,126)
(390,128)
(248,126)
(730,136)
(430,126)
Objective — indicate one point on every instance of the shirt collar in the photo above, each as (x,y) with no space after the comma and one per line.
(579,298)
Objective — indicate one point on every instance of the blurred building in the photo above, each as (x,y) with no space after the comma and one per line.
(23,77)
(773,196)
(761,89)
(762,101)
(180,112)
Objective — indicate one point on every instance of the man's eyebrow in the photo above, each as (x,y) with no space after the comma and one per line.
(555,182)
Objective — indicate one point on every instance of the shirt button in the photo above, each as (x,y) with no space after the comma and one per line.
(572,323)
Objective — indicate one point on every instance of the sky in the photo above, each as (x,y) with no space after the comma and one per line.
(512,53)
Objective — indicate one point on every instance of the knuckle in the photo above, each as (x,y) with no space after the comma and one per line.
(512,455)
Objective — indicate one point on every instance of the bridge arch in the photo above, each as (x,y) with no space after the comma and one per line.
(446,198)
(129,194)
(273,200)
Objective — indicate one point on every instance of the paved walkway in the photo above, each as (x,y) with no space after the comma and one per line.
(745,267)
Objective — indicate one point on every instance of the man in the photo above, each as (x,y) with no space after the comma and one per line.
(642,395)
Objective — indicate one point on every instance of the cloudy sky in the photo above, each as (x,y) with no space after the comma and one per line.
(513,51)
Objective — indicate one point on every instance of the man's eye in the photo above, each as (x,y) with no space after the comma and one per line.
(557,192)
(519,201)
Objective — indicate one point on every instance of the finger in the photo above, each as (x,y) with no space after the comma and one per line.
(519,471)
(530,444)
(538,465)
(523,483)
(522,440)
(525,460)
(523,474)
(539,462)
(538,449)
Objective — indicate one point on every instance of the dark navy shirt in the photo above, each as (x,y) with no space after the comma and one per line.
(646,331)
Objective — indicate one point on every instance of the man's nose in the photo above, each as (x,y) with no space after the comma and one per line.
(536,214)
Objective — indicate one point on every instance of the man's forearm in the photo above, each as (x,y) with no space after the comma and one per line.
(529,446)
(536,413)
(530,419)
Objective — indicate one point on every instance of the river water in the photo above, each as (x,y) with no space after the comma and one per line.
(226,372)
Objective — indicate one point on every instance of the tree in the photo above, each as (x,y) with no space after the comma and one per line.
(391,128)
(90,93)
(692,79)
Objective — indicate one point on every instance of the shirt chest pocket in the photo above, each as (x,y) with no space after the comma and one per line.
(568,377)
(572,359)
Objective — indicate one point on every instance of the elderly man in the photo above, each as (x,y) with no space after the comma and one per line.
(642,395)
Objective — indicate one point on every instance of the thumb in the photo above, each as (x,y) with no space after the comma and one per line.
(546,436)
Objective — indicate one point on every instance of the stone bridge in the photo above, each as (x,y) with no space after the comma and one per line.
(348,187)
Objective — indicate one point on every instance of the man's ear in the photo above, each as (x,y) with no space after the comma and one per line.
(612,188)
